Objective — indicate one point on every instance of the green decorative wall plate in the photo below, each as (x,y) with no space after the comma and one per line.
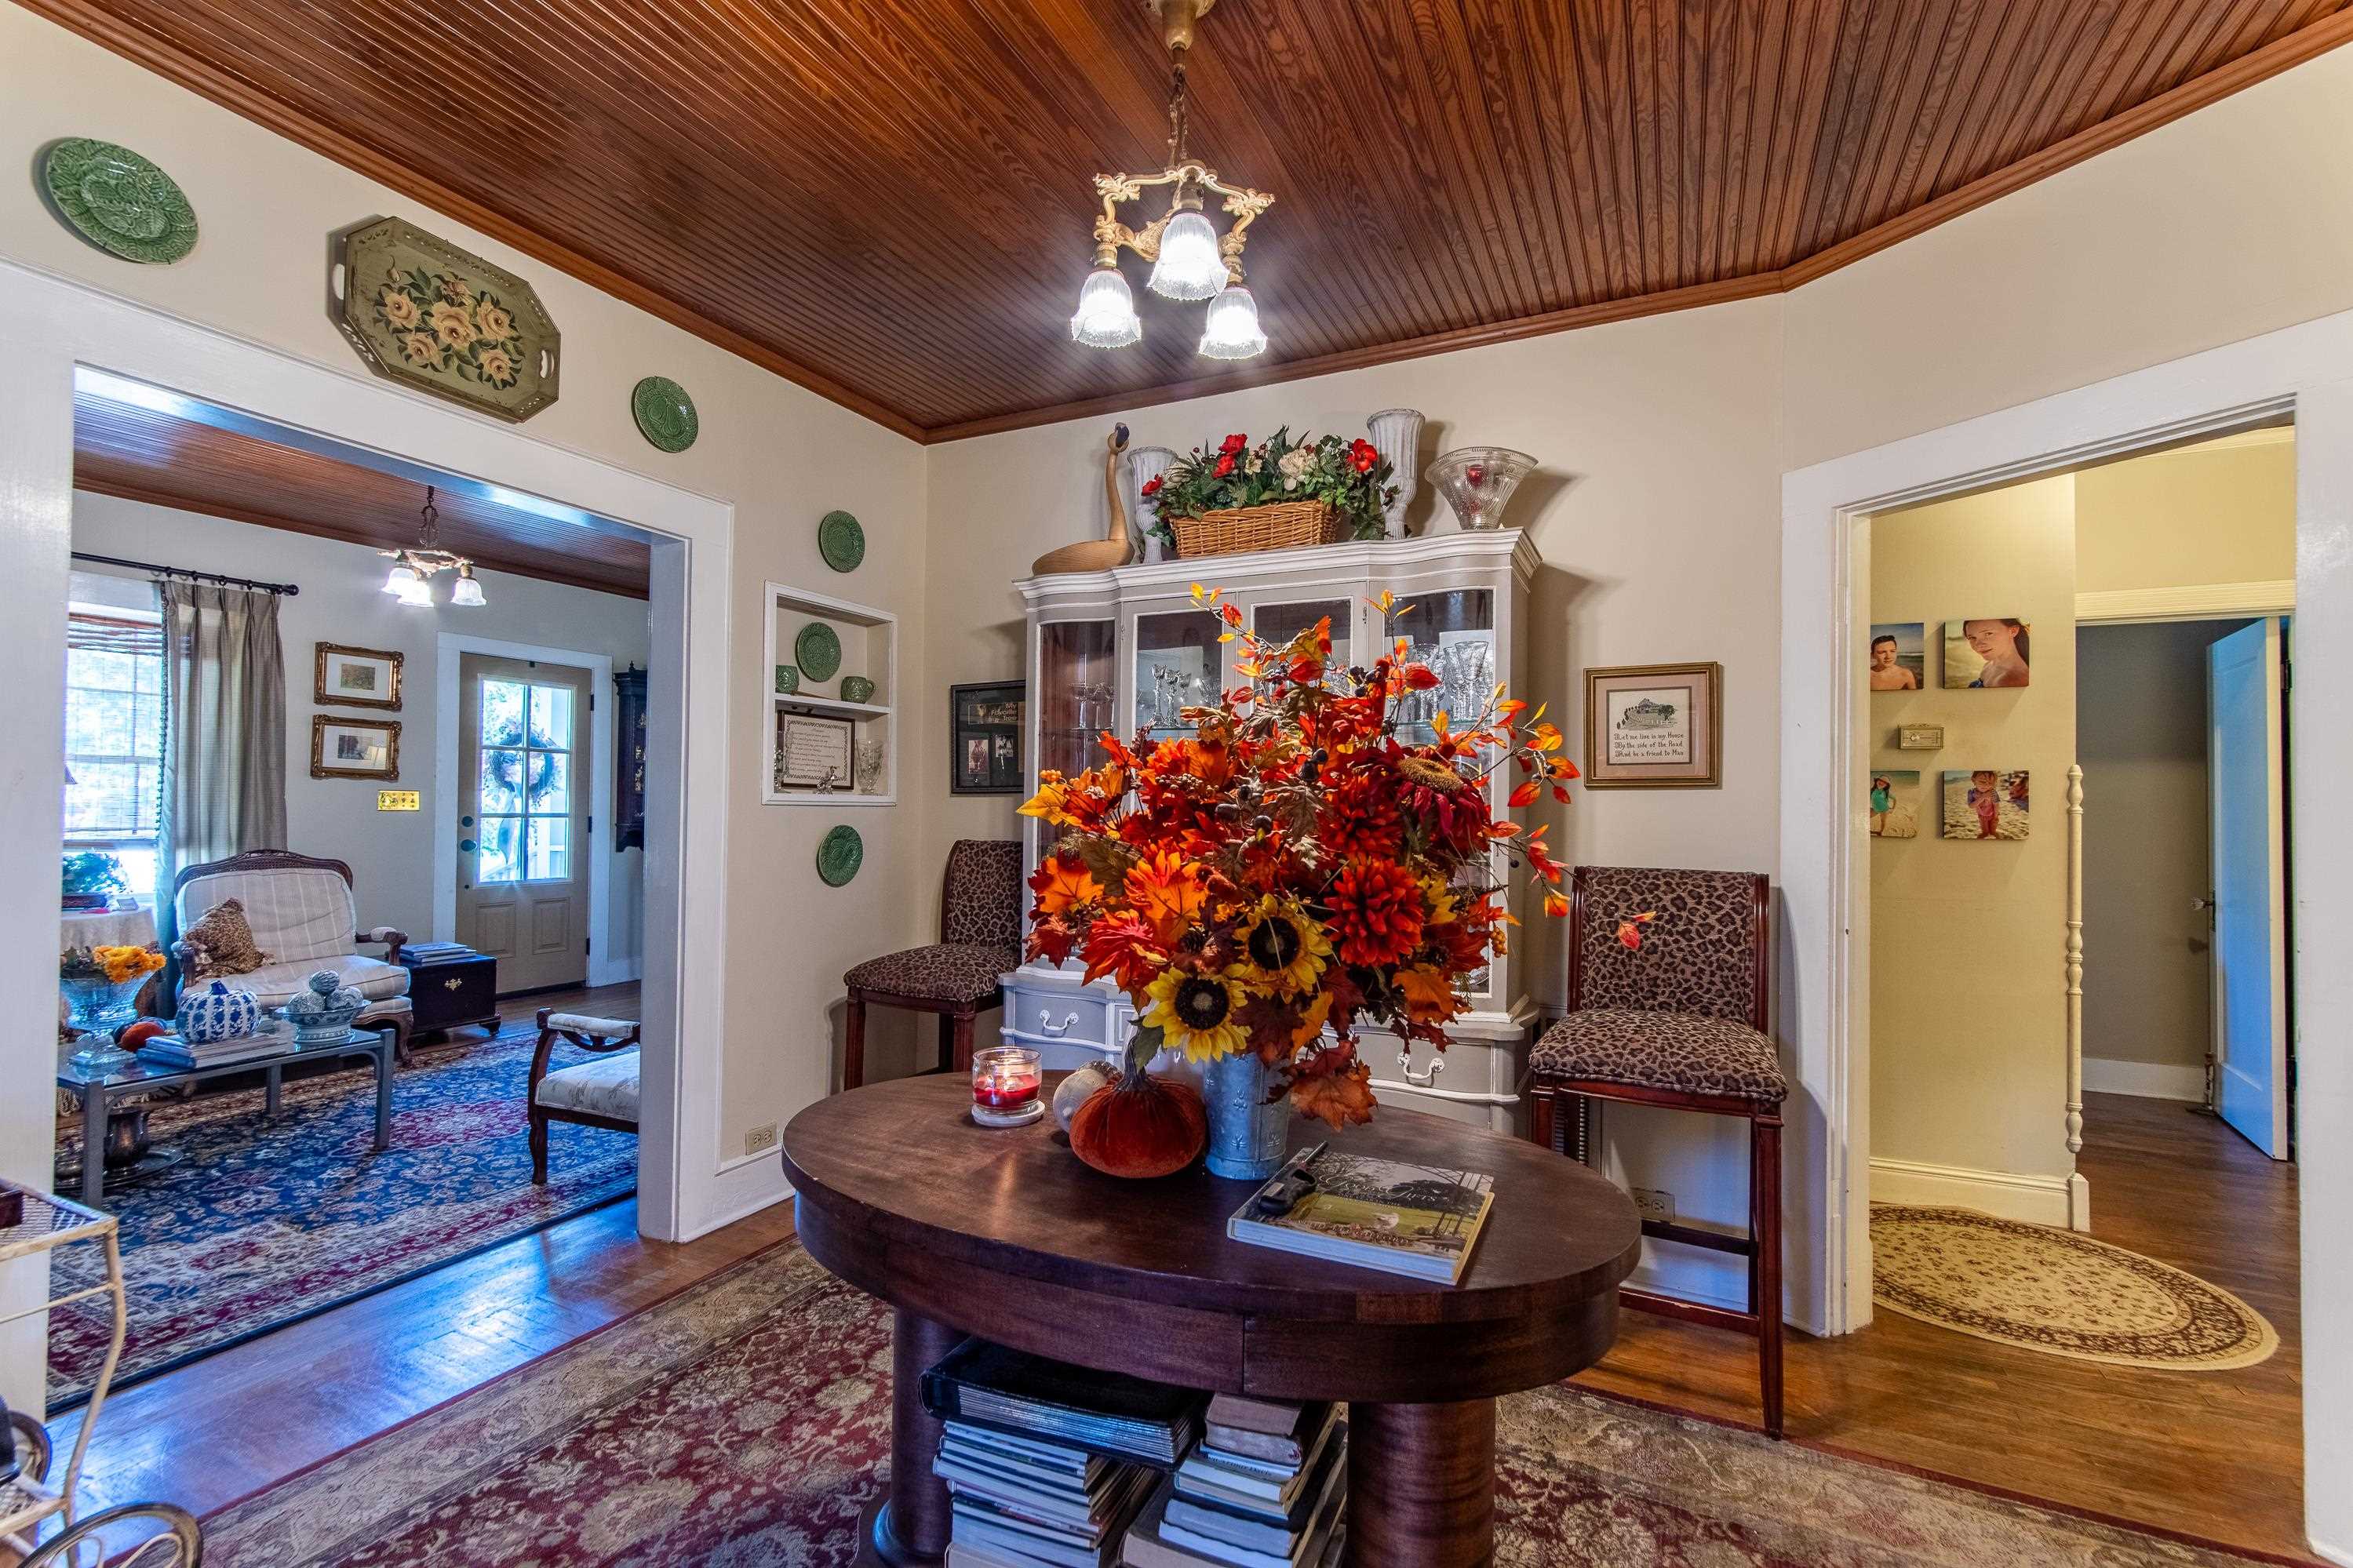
(788,680)
(119,200)
(857,688)
(431,316)
(819,648)
(665,413)
(841,541)
(840,854)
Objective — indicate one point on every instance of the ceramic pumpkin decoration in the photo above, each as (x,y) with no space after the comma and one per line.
(1075,1090)
(1141,1126)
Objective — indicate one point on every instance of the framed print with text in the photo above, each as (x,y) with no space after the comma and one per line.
(1654,726)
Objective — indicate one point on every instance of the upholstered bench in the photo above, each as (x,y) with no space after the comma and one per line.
(599,1092)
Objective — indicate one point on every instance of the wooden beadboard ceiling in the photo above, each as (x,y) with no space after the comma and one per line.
(148,455)
(889,201)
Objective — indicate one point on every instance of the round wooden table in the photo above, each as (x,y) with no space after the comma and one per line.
(1004,1233)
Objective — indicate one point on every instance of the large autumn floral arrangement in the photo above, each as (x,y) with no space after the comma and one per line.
(1350,476)
(1293,867)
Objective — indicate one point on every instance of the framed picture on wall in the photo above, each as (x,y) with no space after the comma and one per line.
(356,677)
(1654,726)
(354,748)
(985,737)
(1987,652)
(813,751)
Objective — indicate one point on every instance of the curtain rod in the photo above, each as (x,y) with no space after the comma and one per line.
(288,589)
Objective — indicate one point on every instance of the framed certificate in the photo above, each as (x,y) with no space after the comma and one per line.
(812,751)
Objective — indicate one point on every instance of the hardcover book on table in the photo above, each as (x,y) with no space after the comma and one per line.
(1030,1397)
(1421,1220)
(1154,1541)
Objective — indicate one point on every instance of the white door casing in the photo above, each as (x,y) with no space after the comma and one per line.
(2245,763)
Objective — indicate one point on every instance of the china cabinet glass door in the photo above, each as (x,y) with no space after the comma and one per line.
(1178,665)
(1276,624)
(1452,632)
(1074,703)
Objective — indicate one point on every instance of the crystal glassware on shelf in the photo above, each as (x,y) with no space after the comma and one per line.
(866,767)
(1477,481)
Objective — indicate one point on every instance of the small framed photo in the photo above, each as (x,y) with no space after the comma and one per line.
(1988,651)
(1987,804)
(1898,658)
(1654,726)
(354,748)
(984,724)
(813,751)
(356,677)
(1895,802)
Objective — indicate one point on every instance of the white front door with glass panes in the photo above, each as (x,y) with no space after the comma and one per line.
(522,828)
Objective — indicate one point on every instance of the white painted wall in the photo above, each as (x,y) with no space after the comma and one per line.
(341,601)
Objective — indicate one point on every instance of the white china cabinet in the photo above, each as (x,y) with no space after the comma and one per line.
(1126,649)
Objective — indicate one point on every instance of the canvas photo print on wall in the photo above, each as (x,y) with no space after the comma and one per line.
(1986,803)
(1895,802)
(1899,656)
(1985,652)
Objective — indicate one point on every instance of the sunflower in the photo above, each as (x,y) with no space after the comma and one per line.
(1197,1014)
(1282,949)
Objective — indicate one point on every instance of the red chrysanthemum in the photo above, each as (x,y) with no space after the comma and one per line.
(1358,816)
(1377,911)
(1452,811)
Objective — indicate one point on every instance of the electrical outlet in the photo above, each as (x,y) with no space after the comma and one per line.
(759,1138)
(1652,1204)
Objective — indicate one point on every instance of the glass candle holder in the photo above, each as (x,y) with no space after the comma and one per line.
(1005,1087)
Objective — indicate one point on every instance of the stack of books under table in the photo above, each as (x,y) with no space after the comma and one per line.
(1267,1487)
(1047,1464)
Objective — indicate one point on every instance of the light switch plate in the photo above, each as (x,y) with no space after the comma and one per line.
(399,800)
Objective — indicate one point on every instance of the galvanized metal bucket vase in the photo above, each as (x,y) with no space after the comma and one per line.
(1245,1133)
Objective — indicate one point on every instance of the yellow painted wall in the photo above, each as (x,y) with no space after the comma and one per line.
(2222,511)
(1969,993)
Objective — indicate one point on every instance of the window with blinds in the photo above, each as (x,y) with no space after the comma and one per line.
(114,729)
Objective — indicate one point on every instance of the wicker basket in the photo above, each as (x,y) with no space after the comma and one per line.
(1280,525)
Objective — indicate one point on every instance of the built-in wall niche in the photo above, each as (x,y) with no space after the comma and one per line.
(833,677)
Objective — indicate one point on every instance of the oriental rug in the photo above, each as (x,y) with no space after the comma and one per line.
(2059,1291)
(262,1220)
(743,1422)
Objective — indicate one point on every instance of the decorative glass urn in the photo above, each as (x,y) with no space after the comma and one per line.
(325,1009)
(1478,480)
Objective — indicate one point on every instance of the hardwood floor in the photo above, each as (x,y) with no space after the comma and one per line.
(2218,1454)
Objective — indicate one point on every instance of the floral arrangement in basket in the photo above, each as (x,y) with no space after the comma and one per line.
(1349,478)
(1294,866)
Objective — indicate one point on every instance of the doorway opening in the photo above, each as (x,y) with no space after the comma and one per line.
(265,756)
(2076,760)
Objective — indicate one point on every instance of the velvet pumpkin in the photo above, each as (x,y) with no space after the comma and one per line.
(1141,1126)
(133,1035)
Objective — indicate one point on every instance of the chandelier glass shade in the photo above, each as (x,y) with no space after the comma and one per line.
(1232,330)
(1191,259)
(1106,318)
(413,569)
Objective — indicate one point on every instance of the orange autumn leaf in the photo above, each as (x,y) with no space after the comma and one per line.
(1062,884)
(1429,995)
(1165,891)
(1556,905)
(1526,793)
(1339,1098)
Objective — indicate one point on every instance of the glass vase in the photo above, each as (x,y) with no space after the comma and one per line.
(1246,1132)
(1478,481)
(1145,464)
(95,1009)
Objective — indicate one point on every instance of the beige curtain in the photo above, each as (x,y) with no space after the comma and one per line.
(223,729)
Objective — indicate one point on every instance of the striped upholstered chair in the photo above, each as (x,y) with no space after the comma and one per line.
(1677,1014)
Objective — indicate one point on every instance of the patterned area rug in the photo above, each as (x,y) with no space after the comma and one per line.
(743,1422)
(2048,1290)
(263,1220)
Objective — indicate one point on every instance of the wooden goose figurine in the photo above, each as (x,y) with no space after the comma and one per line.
(1115,548)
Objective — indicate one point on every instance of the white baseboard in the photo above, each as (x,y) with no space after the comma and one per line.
(1712,1279)
(2327,1553)
(2151,1080)
(2062,1201)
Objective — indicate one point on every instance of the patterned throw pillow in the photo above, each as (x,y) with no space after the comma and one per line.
(222,944)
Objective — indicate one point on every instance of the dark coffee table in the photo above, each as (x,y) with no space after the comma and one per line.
(965,1230)
(99,1092)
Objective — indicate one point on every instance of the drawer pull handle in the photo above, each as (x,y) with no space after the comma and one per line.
(1046,1025)
(451,985)
(1404,1066)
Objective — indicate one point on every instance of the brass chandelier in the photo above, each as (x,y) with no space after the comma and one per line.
(413,569)
(1190,259)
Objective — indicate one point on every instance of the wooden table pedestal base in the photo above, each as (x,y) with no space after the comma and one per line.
(908,1526)
(1421,1484)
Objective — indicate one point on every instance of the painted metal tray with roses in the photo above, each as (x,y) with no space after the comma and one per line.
(425,313)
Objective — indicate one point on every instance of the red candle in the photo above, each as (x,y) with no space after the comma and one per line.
(1005,1080)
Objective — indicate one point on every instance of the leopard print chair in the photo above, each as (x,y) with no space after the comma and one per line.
(955,977)
(1676,1014)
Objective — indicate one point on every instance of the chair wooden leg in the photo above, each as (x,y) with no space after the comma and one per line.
(853,1047)
(960,1039)
(1765,1225)
(1540,1115)
(947,1042)
(538,1148)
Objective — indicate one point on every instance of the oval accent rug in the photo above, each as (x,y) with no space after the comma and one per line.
(2043,1288)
